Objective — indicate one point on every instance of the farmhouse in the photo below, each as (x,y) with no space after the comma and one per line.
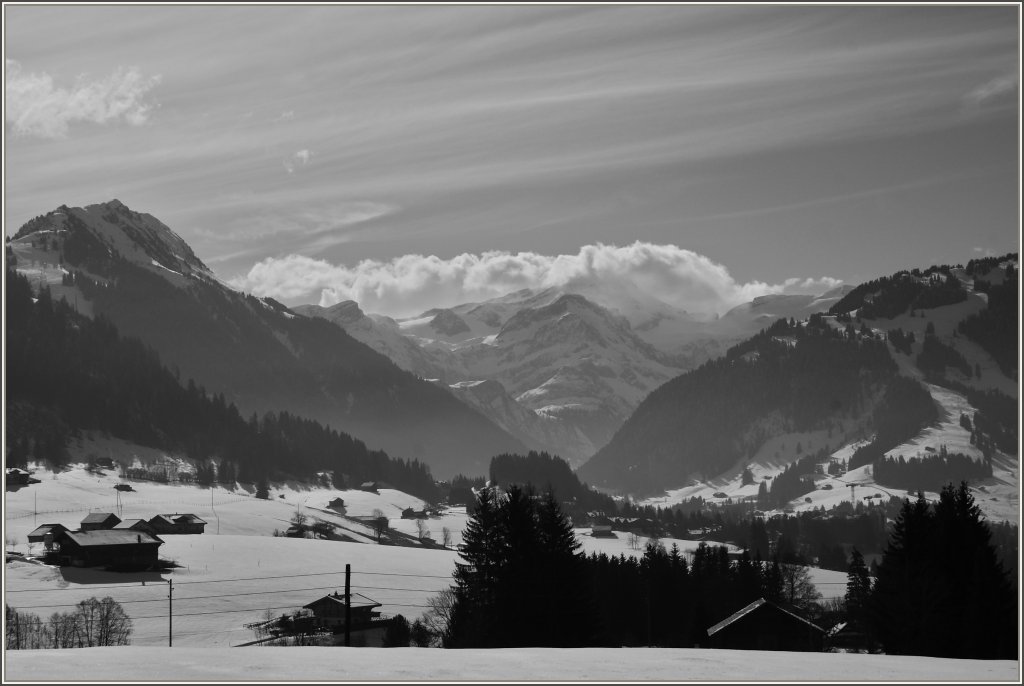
(338,505)
(17,477)
(39,534)
(764,625)
(97,521)
(330,611)
(177,524)
(108,548)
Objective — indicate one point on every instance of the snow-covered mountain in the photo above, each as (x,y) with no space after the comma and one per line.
(109,260)
(560,370)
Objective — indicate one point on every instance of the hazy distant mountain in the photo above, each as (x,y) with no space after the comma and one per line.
(560,370)
(134,270)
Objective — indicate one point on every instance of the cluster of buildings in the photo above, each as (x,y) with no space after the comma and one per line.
(105,540)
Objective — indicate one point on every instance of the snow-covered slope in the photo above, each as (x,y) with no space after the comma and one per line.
(997,496)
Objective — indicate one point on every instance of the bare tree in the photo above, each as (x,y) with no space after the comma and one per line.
(439,616)
(798,589)
(323,528)
(633,540)
(446,536)
(103,623)
(299,519)
(380,523)
(422,530)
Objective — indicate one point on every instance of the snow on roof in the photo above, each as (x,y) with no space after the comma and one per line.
(340,599)
(88,539)
(739,614)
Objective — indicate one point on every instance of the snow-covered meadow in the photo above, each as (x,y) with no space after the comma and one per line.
(236,576)
(135,664)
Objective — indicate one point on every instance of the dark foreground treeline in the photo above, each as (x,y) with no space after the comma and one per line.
(940,589)
(66,373)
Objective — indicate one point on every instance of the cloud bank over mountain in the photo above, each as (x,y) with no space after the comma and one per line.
(409,284)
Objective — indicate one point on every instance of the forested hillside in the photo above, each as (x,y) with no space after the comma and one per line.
(790,377)
(66,374)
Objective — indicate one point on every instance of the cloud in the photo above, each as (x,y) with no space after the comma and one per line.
(284,116)
(994,89)
(36,107)
(409,284)
(300,158)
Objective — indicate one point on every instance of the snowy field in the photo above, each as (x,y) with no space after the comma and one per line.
(235,577)
(135,664)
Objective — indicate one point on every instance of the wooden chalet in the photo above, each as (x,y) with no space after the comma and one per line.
(764,625)
(99,521)
(330,611)
(120,549)
(177,524)
(602,526)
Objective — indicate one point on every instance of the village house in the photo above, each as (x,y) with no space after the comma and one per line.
(109,548)
(17,477)
(98,521)
(338,505)
(367,627)
(764,625)
(177,524)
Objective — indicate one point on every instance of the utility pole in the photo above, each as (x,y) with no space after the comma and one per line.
(348,605)
(170,612)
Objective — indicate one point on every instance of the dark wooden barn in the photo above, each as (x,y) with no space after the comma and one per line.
(115,549)
(764,625)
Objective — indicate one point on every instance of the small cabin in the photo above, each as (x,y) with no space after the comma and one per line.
(764,625)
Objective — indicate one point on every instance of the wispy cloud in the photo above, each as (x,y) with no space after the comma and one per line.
(998,88)
(35,106)
(299,159)
(411,283)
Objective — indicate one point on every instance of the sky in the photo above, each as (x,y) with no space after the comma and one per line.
(377,153)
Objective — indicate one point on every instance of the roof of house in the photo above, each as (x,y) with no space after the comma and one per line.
(17,470)
(739,614)
(44,529)
(99,517)
(129,523)
(187,518)
(358,600)
(88,539)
